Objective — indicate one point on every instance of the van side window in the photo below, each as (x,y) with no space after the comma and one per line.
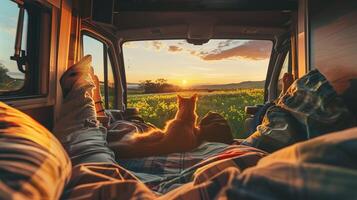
(285,68)
(11,79)
(102,66)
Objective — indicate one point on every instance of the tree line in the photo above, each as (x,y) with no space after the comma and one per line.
(158,86)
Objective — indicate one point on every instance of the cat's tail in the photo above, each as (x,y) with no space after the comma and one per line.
(151,136)
(142,145)
(138,151)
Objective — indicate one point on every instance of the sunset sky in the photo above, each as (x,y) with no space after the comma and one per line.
(181,63)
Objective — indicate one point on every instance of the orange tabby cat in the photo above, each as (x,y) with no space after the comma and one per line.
(179,135)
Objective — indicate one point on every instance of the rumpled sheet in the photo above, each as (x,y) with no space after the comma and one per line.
(322,168)
(165,173)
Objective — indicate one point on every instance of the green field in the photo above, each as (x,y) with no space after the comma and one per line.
(158,108)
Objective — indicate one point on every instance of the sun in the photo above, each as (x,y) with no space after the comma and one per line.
(184,82)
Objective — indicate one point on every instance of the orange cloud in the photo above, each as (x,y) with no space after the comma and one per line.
(254,50)
(157,45)
(174,48)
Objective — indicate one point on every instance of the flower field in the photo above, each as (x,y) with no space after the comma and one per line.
(158,108)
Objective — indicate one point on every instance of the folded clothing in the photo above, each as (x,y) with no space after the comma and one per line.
(309,108)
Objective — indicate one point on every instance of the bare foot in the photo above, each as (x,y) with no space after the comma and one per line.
(288,79)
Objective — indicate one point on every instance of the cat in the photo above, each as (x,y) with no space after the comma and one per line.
(179,135)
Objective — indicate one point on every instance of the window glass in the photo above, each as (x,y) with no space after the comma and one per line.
(284,69)
(11,79)
(227,75)
(95,48)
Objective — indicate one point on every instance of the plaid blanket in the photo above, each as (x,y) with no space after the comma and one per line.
(164,173)
(321,168)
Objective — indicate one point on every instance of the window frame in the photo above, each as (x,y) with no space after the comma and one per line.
(37,78)
(269,71)
(107,53)
(302,38)
(281,55)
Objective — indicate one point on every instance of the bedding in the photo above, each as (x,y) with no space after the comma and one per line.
(34,165)
(322,168)
(164,173)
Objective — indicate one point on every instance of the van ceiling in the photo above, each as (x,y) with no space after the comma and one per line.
(205,25)
(160,19)
(269,19)
(204,5)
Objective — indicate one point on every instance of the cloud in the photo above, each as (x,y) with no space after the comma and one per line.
(224,43)
(194,53)
(201,68)
(174,48)
(157,45)
(253,50)
(129,45)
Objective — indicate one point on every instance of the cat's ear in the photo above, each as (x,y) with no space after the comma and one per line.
(194,97)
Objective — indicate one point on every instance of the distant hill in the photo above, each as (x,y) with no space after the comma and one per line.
(241,85)
(133,86)
(230,86)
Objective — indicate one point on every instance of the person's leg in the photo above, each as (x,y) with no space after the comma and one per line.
(95,173)
(77,126)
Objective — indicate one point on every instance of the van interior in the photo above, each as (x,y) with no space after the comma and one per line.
(235,54)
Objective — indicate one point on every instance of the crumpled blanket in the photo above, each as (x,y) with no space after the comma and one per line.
(322,168)
(165,173)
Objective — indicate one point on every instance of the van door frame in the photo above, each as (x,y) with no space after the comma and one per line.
(109,39)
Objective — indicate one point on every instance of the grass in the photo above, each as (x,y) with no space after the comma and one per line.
(158,108)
